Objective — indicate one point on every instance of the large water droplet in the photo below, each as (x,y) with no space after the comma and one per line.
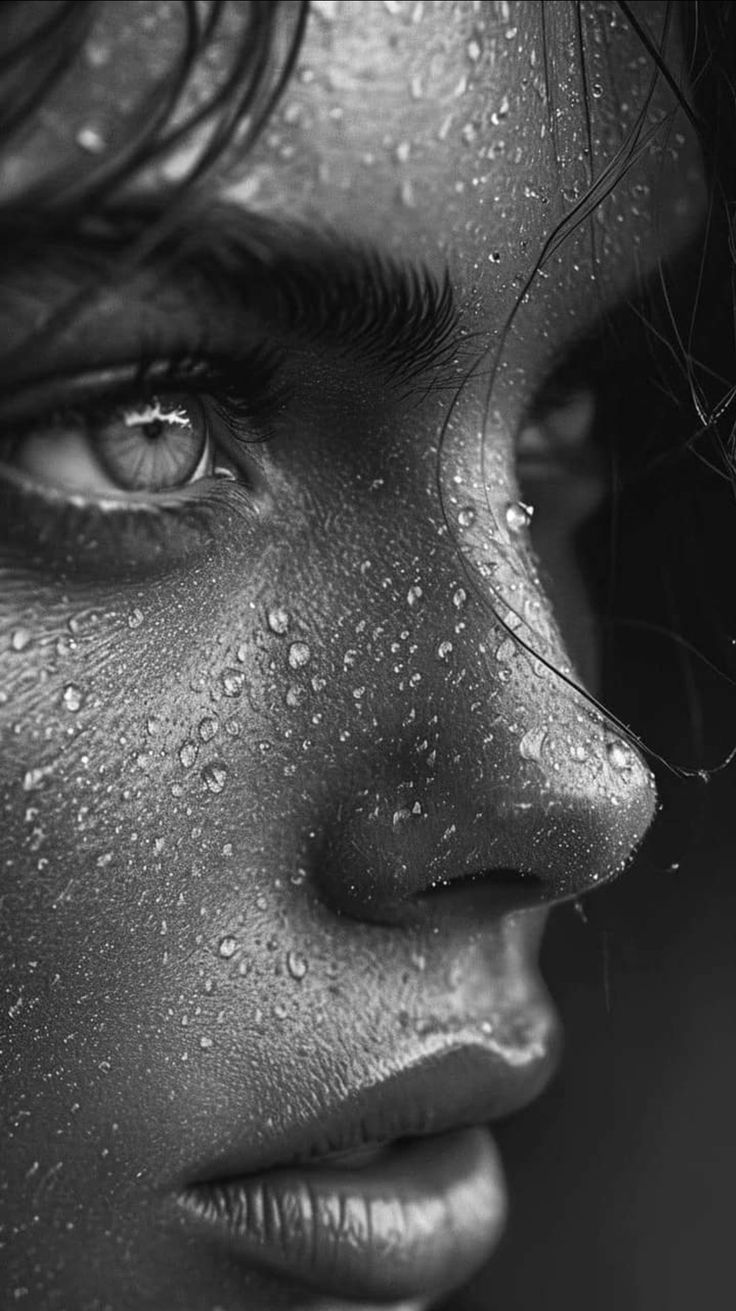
(233,681)
(296,965)
(214,775)
(208,728)
(620,756)
(530,746)
(188,752)
(278,620)
(299,655)
(518,516)
(20,638)
(72,697)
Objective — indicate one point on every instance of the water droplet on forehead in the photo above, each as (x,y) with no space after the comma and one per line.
(299,655)
(228,946)
(72,697)
(518,516)
(278,620)
(214,775)
(233,681)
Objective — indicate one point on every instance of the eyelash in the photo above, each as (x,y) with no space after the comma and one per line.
(247,392)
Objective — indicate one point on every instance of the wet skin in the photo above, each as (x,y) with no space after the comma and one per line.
(248,744)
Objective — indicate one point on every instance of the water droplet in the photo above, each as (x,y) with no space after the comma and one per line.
(73,697)
(296,965)
(295,695)
(518,516)
(214,775)
(20,638)
(459,598)
(205,1044)
(473,51)
(620,756)
(579,751)
(299,655)
(208,728)
(280,1011)
(466,516)
(188,752)
(530,746)
(444,650)
(233,681)
(91,139)
(228,946)
(232,727)
(153,725)
(135,618)
(278,620)
(506,651)
(414,594)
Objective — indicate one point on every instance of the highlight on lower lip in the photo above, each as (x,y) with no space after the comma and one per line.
(419,1220)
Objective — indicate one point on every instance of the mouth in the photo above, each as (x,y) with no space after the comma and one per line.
(399,1194)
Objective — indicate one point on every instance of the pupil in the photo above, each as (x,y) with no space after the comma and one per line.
(152,429)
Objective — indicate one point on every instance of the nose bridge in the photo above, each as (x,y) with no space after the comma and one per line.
(489,763)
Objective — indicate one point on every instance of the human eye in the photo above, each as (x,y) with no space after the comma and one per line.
(133,464)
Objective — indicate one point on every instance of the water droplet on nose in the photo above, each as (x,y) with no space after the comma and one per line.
(506,651)
(299,655)
(214,775)
(518,516)
(466,516)
(228,946)
(188,752)
(620,756)
(72,697)
(414,594)
(233,681)
(459,598)
(20,638)
(296,965)
(135,618)
(208,728)
(278,620)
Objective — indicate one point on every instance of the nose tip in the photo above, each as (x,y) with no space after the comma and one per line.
(570,835)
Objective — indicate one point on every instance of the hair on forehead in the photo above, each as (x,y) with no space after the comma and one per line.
(42,46)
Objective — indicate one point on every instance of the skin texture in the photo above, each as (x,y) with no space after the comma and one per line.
(311,709)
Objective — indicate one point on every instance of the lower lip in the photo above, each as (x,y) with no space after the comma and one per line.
(418,1221)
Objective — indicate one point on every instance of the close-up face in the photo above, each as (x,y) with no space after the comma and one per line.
(299,737)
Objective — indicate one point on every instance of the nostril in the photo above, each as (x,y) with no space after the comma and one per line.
(497,891)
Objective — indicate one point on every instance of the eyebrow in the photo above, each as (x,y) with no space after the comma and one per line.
(303,282)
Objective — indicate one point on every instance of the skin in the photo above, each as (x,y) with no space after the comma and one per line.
(141,1042)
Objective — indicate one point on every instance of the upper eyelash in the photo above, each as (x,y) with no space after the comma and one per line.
(221,378)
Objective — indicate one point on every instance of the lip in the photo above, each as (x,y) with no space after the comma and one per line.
(416,1219)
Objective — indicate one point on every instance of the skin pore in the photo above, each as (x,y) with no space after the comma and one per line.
(258,732)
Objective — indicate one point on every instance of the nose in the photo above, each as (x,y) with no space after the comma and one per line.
(500,772)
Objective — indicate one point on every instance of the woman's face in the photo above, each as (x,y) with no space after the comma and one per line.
(289,779)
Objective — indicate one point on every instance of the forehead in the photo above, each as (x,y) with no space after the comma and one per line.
(449,130)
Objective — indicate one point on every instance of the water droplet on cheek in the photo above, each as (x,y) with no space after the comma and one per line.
(278,620)
(299,655)
(214,776)
(518,516)
(233,681)
(72,698)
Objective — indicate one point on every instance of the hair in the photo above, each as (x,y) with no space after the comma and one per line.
(690,360)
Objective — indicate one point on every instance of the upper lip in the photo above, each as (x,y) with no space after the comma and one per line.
(461,1079)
